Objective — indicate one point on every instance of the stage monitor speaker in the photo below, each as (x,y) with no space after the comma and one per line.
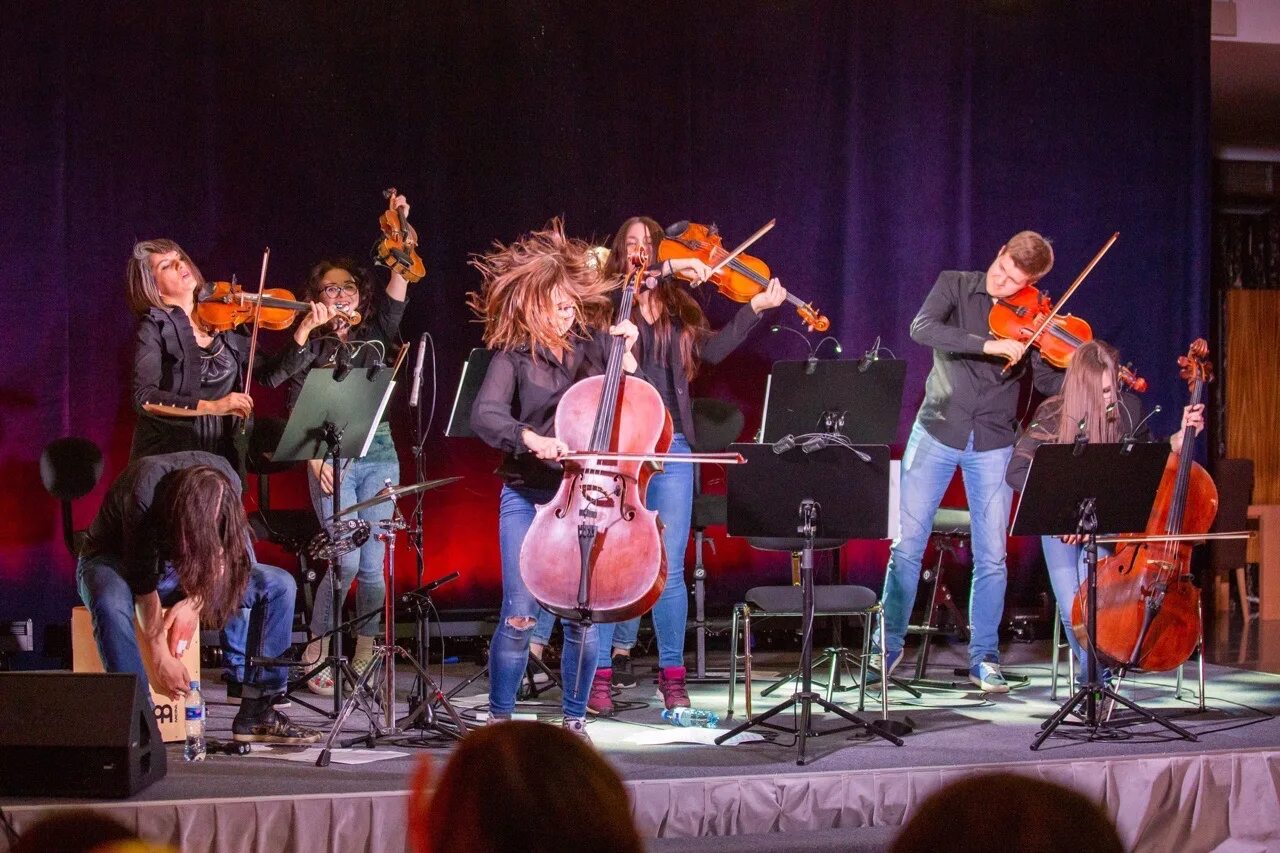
(65,734)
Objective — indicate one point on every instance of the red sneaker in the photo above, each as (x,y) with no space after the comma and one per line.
(600,701)
(671,686)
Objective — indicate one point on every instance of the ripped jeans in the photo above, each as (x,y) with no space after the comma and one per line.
(509,650)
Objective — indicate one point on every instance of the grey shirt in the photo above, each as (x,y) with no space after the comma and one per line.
(967,391)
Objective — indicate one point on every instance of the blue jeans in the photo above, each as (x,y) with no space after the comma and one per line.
(361,480)
(927,468)
(261,627)
(670,494)
(509,649)
(1067,571)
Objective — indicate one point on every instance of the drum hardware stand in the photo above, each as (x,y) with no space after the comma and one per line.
(382,671)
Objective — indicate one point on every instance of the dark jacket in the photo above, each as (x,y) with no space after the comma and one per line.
(166,371)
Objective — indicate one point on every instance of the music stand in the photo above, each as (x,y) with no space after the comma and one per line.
(1080,489)
(335,418)
(473,373)
(865,396)
(828,493)
(859,399)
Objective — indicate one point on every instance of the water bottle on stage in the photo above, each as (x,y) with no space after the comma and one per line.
(194,704)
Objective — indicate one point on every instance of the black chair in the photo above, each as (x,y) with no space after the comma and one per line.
(837,601)
(716,425)
(69,469)
(291,529)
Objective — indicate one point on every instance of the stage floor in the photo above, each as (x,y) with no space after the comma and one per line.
(685,790)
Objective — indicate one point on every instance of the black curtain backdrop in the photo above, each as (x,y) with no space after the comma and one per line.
(890,140)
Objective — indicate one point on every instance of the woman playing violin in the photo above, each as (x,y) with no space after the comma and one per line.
(1091,396)
(335,288)
(675,340)
(184,375)
(537,301)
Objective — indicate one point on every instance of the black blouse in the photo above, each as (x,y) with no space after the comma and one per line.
(521,392)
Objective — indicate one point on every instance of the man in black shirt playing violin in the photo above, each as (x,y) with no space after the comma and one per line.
(968,420)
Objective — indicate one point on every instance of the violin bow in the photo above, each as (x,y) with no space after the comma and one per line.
(1072,289)
(253,337)
(743,246)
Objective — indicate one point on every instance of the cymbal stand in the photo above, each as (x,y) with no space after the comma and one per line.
(377,684)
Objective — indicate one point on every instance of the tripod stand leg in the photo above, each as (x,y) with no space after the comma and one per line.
(431,695)
(356,697)
(1051,724)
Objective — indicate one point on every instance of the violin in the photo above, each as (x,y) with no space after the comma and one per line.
(595,552)
(227,306)
(1028,316)
(1148,606)
(397,250)
(740,279)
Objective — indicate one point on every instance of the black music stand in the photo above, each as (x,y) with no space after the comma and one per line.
(335,418)
(831,493)
(1080,489)
(473,372)
(859,398)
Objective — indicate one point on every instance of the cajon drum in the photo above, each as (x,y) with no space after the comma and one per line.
(170,716)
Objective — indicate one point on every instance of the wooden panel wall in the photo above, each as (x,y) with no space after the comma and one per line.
(1253,386)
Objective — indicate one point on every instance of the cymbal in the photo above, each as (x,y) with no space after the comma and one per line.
(396,493)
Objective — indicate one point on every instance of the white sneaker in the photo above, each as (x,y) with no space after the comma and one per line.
(988,678)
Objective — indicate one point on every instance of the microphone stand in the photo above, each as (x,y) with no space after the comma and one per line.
(419,694)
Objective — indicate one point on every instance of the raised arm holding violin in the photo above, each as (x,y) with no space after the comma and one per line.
(339,290)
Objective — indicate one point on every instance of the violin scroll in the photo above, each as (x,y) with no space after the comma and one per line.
(397,250)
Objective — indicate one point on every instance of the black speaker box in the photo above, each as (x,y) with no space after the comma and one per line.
(71,734)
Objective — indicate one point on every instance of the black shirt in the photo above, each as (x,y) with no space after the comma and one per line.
(657,369)
(292,363)
(967,391)
(521,392)
(130,525)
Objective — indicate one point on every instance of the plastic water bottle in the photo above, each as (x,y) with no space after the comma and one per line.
(689,718)
(194,704)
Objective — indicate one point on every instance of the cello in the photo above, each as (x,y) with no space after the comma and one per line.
(594,552)
(1148,607)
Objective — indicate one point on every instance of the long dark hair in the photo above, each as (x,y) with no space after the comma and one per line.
(669,299)
(1081,401)
(208,537)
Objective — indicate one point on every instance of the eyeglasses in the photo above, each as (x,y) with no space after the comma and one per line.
(349,289)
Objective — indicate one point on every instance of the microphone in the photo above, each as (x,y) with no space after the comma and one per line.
(342,362)
(417,371)
(1082,438)
(782,445)
(431,587)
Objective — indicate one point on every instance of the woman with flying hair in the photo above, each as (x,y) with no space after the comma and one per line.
(335,288)
(172,533)
(185,375)
(1091,404)
(539,301)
